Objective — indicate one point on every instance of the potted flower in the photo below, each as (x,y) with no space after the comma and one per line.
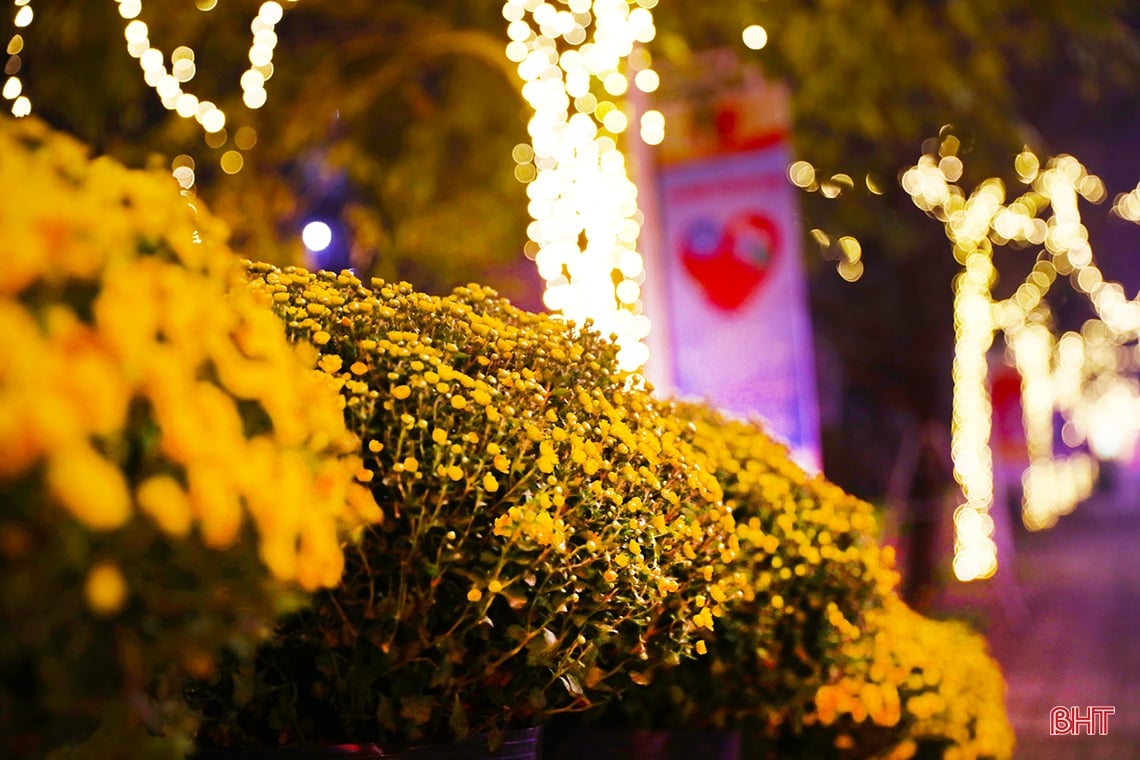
(173,473)
(802,568)
(912,687)
(545,521)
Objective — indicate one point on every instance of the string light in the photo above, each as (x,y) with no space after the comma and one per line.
(168,82)
(576,59)
(1052,486)
(1127,205)
(182,167)
(755,37)
(845,250)
(13,89)
(975,552)
(1081,375)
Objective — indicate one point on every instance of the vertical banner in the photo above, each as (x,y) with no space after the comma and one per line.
(731,253)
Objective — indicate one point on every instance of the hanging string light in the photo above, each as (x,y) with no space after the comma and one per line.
(1127,205)
(13,89)
(845,250)
(1052,485)
(576,59)
(1079,375)
(169,80)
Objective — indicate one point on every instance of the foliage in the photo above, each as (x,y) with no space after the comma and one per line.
(805,570)
(546,528)
(145,418)
(872,78)
(555,540)
(416,113)
(395,120)
(813,654)
(542,534)
(913,683)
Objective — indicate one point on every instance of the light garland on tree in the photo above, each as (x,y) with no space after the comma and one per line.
(13,89)
(1079,375)
(1127,205)
(576,59)
(168,81)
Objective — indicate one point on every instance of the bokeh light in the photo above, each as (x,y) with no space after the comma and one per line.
(755,37)
(584,206)
(316,235)
(1086,376)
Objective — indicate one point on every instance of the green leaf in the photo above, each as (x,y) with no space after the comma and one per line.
(536,699)
(244,684)
(416,709)
(458,719)
(641,679)
(386,713)
(572,685)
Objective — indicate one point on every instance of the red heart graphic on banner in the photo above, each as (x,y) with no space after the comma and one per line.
(730,263)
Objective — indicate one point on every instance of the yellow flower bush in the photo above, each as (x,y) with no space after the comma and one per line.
(496,523)
(170,464)
(794,580)
(911,682)
(545,524)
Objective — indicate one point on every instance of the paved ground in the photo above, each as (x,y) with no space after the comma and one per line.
(1065,626)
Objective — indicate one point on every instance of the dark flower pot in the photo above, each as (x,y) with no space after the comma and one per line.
(522,744)
(645,745)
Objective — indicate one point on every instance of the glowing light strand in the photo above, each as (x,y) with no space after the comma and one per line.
(1079,375)
(1127,205)
(845,250)
(167,81)
(975,552)
(1052,486)
(576,58)
(13,89)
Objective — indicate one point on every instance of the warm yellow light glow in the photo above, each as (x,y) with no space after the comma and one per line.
(216,139)
(129,9)
(186,106)
(850,270)
(13,86)
(1127,205)
(1026,165)
(232,162)
(755,37)
(647,80)
(183,67)
(801,173)
(245,138)
(254,99)
(951,168)
(652,127)
(211,118)
(1082,376)
(184,176)
(583,204)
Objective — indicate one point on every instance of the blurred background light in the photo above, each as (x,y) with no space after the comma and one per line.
(755,37)
(316,235)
